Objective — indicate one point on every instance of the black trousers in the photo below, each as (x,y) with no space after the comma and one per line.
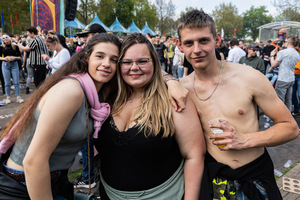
(39,74)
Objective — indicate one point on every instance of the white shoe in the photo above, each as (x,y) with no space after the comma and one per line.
(266,125)
(20,100)
(7,101)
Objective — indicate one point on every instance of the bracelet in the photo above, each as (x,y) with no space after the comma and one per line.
(168,77)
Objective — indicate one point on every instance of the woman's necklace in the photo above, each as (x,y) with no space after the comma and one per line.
(214,88)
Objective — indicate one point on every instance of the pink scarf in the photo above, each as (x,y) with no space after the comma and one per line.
(99,111)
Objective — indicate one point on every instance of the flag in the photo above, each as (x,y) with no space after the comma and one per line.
(17,20)
(11,21)
(222,33)
(234,32)
(2,19)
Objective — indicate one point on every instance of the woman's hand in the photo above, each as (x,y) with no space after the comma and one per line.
(45,57)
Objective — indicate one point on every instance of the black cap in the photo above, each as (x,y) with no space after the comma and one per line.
(252,46)
(92,28)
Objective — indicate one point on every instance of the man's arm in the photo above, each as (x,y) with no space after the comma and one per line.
(177,93)
(22,48)
(285,127)
(274,63)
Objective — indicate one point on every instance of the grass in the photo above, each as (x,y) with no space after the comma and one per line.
(287,170)
(72,175)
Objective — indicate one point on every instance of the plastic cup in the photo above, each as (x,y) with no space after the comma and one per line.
(217,122)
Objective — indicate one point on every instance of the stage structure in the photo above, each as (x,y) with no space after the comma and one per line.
(48,14)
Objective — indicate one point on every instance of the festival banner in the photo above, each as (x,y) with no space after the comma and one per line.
(48,14)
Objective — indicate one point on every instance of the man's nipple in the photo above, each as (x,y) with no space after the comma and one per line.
(241,112)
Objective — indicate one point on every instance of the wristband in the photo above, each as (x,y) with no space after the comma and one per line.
(168,77)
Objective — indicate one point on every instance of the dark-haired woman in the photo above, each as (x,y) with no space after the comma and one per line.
(51,127)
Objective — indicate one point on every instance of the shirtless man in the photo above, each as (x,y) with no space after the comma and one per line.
(231,92)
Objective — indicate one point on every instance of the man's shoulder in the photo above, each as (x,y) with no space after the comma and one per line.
(187,81)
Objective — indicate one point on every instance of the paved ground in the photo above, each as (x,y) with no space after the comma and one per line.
(280,154)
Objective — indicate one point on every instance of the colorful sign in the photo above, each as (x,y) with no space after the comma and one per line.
(48,14)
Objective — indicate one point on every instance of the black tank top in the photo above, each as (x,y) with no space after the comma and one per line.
(132,162)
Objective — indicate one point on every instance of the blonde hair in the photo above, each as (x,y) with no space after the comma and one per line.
(12,45)
(154,112)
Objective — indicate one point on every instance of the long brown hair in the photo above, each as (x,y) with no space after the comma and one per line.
(77,64)
(154,111)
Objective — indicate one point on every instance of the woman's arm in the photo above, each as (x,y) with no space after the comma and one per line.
(57,109)
(192,146)
(59,60)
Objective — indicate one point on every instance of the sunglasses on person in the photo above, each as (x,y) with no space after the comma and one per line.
(254,49)
(5,37)
(141,63)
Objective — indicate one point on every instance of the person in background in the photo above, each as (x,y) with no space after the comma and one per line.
(60,57)
(36,47)
(252,59)
(83,182)
(178,62)
(266,54)
(223,49)
(235,53)
(72,46)
(10,68)
(161,50)
(170,47)
(296,86)
(286,60)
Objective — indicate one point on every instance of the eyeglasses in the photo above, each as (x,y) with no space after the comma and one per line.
(141,63)
(254,49)
(5,37)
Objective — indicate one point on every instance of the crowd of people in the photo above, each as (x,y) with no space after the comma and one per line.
(122,95)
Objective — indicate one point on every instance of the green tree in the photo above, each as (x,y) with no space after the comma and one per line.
(254,18)
(165,13)
(284,4)
(106,11)
(145,12)
(86,10)
(227,18)
(9,9)
(292,13)
(124,11)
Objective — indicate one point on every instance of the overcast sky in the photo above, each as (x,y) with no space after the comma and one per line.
(209,5)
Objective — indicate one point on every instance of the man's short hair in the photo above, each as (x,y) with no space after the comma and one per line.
(157,35)
(234,42)
(292,40)
(45,31)
(196,19)
(269,41)
(32,29)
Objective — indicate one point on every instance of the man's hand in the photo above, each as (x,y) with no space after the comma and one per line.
(177,95)
(230,137)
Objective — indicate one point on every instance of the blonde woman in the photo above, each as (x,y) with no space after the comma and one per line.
(61,55)
(10,68)
(146,149)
